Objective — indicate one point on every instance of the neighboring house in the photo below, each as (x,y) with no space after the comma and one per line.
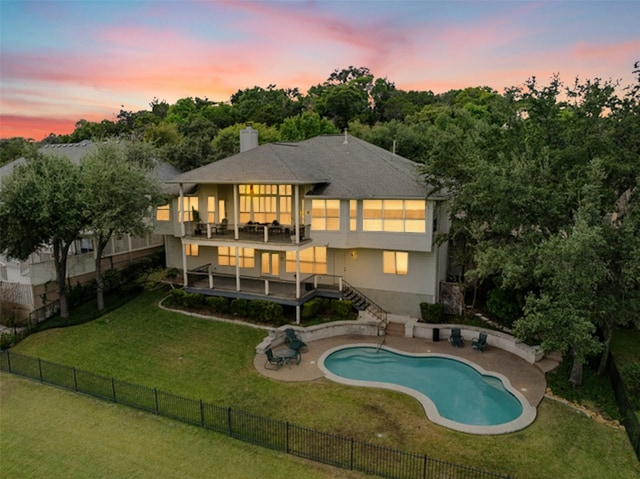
(332,216)
(30,286)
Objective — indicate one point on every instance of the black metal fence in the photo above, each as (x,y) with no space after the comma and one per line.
(346,453)
(631,423)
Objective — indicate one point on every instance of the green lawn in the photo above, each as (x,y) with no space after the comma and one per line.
(213,361)
(52,433)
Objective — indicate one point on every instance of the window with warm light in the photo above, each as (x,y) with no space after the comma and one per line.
(312,260)
(189,204)
(403,216)
(227,256)
(325,215)
(192,249)
(353,215)
(163,213)
(265,203)
(271,263)
(395,262)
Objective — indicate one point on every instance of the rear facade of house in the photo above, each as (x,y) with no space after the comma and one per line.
(321,217)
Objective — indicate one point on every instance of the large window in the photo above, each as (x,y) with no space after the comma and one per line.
(353,215)
(325,215)
(271,263)
(188,206)
(265,203)
(312,260)
(395,262)
(211,210)
(404,216)
(163,213)
(227,256)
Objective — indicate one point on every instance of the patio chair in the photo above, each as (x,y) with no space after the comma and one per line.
(222,227)
(293,341)
(456,338)
(480,342)
(272,362)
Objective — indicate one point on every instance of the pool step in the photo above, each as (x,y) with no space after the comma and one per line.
(395,329)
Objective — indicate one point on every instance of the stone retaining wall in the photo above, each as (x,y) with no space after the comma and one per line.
(412,329)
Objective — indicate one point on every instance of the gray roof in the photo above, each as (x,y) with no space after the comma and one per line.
(76,151)
(339,169)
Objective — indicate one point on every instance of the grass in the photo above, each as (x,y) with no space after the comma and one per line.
(213,361)
(90,438)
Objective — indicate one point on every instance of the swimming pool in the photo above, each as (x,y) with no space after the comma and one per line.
(454,392)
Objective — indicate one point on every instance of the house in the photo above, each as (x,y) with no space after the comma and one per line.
(30,286)
(331,216)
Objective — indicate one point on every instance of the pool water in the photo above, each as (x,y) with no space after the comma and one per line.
(459,392)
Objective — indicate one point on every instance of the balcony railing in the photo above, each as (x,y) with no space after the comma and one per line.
(262,233)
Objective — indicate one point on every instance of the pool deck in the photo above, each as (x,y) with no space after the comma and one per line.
(526,378)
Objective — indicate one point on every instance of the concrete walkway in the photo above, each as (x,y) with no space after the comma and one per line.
(526,378)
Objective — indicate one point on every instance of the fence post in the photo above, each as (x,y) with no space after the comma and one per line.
(351,458)
(155,396)
(286,437)
(40,369)
(8,360)
(229,429)
(201,414)
(75,380)
(424,468)
(113,389)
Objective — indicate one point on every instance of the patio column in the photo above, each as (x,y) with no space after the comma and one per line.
(185,279)
(236,214)
(181,212)
(296,201)
(210,278)
(237,270)
(298,314)
(266,287)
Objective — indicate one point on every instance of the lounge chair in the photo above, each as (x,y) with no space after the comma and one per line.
(272,362)
(293,341)
(480,342)
(456,338)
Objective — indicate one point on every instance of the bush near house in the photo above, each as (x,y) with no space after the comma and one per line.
(323,309)
(432,313)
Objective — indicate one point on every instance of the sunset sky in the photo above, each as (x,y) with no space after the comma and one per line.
(62,61)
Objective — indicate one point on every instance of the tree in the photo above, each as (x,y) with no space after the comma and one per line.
(269,106)
(39,207)
(305,126)
(14,148)
(118,196)
(534,179)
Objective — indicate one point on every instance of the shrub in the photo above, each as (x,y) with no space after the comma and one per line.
(218,304)
(112,279)
(176,297)
(239,307)
(193,300)
(432,313)
(310,309)
(342,310)
(274,313)
(256,310)
(630,374)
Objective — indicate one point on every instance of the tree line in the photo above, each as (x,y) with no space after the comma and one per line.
(542,181)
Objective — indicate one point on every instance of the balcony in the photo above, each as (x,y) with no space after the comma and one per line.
(202,281)
(254,232)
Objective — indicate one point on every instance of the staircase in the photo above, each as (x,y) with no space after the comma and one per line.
(362,303)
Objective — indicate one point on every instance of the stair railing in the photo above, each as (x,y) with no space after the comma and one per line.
(372,307)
